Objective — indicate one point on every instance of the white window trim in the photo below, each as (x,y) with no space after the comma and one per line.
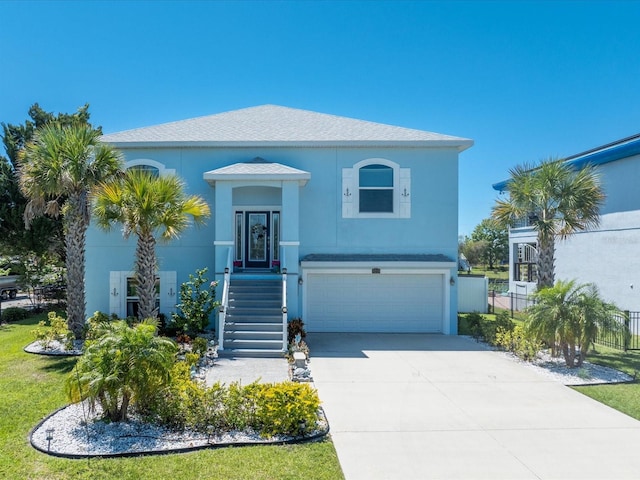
(118,292)
(162,171)
(351,191)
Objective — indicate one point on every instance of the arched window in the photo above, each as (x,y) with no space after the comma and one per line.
(149,165)
(375,185)
(155,171)
(376,188)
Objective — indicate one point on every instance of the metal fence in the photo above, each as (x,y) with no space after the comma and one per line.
(515,302)
(625,338)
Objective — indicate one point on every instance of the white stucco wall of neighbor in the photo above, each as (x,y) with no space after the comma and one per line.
(608,257)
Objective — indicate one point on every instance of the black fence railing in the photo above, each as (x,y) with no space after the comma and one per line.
(626,337)
(515,302)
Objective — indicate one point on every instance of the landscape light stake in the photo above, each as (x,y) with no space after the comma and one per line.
(49,437)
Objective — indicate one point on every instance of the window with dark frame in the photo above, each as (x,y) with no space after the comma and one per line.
(376,185)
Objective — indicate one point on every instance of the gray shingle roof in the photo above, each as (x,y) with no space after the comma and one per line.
(272,125)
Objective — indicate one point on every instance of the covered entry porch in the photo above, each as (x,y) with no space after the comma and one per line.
(256,214)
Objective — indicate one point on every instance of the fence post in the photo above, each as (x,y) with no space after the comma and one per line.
(494,302)
(511,303)
(627,332)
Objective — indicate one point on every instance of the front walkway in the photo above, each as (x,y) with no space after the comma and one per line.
(443,407)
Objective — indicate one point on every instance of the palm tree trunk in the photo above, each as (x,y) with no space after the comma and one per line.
(75,226)
(546,261)
(146,276)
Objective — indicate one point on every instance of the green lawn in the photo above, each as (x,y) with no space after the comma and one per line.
(32,387)
(497,273)
(622,397)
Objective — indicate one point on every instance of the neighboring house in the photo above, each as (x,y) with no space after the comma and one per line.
(362,216)
(608,255)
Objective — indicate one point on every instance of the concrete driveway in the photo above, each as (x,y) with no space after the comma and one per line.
(442,407)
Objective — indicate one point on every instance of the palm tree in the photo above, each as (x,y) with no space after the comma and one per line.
(558,201)
(122,366)
(568,317)
(58,171)
(147,205)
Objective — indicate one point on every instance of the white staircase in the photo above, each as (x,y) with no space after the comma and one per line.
(254,318)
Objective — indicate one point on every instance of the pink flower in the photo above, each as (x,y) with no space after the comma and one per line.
(214,284)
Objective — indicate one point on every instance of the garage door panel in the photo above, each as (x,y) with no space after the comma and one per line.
(374,303)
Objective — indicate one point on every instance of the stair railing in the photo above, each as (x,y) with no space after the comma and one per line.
(284,305)
(224,304)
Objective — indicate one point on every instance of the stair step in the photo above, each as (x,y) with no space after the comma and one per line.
(256,302)
(254,326)
(252,335)
(251,352)
(256,312)
(252,344)
(254,319)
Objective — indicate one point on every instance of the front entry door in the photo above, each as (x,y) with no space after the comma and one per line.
(257,253)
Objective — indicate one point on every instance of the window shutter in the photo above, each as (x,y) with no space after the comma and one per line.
(347,193)
(168,292)
(116,293)
(404,191)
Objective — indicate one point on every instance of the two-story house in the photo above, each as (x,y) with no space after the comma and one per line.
(606,255)
(362,217)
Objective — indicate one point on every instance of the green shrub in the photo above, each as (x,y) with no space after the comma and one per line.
(503,320)
(196,304)
(270,409)
(474,323)
(169,405)
(122,367)
(287,408)
(241,403)
(518,342)
(191,358)
(200,346)
(14,314)
(53,329)
(96,324)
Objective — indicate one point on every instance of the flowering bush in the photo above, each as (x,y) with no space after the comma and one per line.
(196,303)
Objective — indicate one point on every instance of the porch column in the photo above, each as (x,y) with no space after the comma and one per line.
(290,242)
(223,217)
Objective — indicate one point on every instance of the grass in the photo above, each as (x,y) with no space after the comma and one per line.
(497,273)
(32,387)
(622,397)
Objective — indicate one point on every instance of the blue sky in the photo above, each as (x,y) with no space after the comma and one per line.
(524,80)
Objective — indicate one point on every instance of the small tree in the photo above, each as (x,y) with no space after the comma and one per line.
(495,237)
(148,207)
(568,317)
(474,251)
(123,366)
(196,303)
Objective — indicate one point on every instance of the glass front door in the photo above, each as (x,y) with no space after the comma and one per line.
(257,240)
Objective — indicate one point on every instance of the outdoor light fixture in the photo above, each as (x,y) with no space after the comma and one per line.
(452,281)
(49,437)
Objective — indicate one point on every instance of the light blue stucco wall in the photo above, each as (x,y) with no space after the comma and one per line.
(432,228)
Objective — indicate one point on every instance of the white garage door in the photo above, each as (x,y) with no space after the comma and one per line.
(374,303)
